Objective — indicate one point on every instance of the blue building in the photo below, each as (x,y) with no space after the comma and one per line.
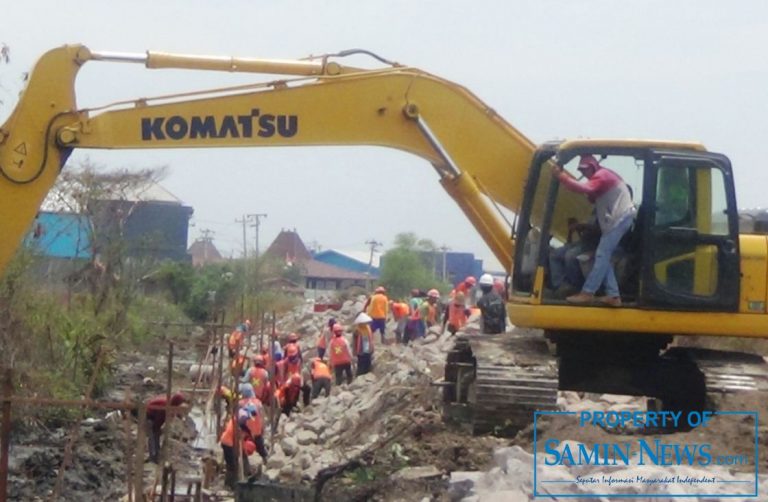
(61,235)
(352,261)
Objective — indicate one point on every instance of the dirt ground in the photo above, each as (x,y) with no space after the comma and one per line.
(98,470)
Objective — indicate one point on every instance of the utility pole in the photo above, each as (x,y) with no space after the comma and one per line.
(444,249)
(257,221)
(243,221)
(207,239)
(374,245)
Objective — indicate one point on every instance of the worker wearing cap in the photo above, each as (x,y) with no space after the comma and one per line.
(493,312)
(615,214)
(287,395)
(258,377)
(155,420)
(363,343)
(293,339)
(288,366)
(378,307)
(340,355)
(466,287)
(430,310)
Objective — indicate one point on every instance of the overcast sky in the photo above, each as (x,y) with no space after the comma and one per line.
(683,69)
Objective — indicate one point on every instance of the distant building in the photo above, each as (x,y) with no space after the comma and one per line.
(350,260)
(203,252)
(289,247)
(155,224)
(61,235)
(318,276)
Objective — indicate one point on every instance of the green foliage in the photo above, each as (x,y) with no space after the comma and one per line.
(214,288)
(407,266)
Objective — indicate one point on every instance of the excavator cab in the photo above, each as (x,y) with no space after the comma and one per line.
(682,251)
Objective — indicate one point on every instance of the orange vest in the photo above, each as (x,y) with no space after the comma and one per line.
(259,378)
(378,306)
(228,436)
(399,310)
(235,340)
(432,317)
(287,394)
(284,369)
(237,365)
(320,370)
(456,315)
(339,351)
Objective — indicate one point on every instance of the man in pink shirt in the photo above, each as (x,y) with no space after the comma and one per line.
(615,213)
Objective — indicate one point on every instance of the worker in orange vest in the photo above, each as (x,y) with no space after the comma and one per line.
(288,366)
(235,340)
(400,313)
(466,286)
(258,377)
(287,395)
(430,309)
(377,309)
(238,365)
(363,343)
(293,339)
(321,377)
(456,314)
(340,355)
(250,424)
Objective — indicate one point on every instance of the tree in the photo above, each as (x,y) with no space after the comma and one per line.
(407,265)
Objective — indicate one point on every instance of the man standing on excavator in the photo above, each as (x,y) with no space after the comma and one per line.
(615,214)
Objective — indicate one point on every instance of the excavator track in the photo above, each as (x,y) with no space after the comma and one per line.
(494,384)
(727,375)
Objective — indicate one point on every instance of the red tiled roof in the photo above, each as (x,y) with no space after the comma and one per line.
(289,247)
(203,252)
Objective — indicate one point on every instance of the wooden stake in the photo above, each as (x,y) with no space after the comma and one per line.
(138,453)
(5,433)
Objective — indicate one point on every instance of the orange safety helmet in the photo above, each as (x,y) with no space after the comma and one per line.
(338,329)
(470,280)
(291,350)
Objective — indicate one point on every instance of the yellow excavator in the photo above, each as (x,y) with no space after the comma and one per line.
(683,268)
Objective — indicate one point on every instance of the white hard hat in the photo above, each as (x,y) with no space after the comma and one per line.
(362,318)
(486,280)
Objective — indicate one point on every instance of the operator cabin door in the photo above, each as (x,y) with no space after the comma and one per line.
(691,254)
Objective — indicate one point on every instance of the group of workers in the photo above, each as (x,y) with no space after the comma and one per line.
(278,377)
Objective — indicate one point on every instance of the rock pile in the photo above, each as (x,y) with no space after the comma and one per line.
(372,410)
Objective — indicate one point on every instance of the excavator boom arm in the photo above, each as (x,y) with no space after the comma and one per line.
(474,151)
